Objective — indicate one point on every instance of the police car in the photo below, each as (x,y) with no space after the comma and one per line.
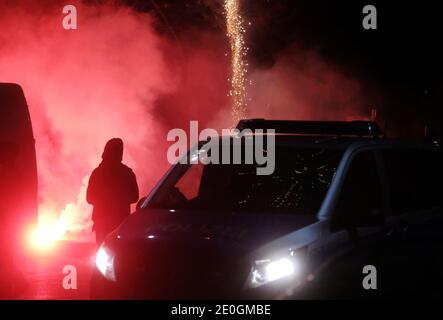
(342,197)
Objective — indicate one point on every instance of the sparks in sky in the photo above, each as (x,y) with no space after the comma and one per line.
(235,32)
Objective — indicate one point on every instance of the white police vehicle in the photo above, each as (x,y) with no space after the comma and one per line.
(341,197)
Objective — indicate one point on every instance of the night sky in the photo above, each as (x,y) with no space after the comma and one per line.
(400,61)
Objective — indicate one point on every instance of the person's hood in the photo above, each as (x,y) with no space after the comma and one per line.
(113,151)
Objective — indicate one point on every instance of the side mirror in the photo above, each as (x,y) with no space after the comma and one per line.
(140,203)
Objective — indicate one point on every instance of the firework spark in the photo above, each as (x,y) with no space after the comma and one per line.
(235,33)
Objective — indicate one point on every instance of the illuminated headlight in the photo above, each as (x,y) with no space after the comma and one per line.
(104,261)
(266,271)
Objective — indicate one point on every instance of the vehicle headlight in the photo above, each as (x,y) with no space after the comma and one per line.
(104,261)
(267,270)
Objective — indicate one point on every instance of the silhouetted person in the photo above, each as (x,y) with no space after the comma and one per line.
(111,190)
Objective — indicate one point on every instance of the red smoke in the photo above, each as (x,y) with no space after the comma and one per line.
(301,85)
(83,87)
(116,77)
(112,77)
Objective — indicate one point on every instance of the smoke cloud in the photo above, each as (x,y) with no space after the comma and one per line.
(115,76)
(301,85)
(84,87)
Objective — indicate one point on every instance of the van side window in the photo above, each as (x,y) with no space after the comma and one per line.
(415,179)
(360,203)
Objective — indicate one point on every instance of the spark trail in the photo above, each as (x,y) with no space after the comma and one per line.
(235,32)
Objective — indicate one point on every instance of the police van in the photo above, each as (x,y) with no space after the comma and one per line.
(18,167)
(342,197)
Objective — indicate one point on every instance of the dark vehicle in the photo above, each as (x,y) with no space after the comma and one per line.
(341,197)
(18,169)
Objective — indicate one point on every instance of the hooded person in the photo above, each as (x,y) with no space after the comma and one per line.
(111,189)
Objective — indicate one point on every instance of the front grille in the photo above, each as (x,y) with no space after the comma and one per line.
(165,271)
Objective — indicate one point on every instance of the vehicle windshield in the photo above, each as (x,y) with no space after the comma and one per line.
(298,184)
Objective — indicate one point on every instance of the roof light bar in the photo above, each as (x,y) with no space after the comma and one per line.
(347,128)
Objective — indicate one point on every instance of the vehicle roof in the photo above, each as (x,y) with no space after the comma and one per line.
(328,134)
(344,142)
(15,122)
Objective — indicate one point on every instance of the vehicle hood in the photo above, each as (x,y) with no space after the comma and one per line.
(243,230)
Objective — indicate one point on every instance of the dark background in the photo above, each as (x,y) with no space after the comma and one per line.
(401,60)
